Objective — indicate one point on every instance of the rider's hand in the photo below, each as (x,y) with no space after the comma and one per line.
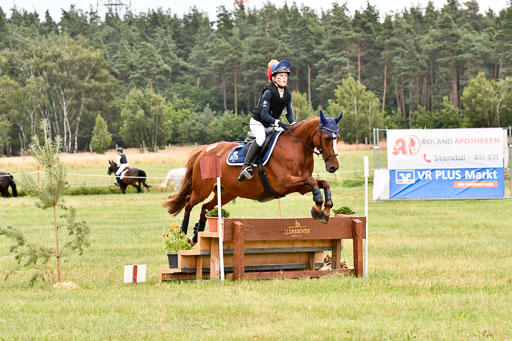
(284,125)
(292,124)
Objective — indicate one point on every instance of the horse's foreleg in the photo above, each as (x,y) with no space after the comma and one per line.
(134,184)
(309,184)
(123,187)
(326,212)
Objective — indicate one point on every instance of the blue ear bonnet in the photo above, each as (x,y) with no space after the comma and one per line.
(329,125)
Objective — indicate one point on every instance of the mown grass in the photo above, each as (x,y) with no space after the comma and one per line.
(437,270)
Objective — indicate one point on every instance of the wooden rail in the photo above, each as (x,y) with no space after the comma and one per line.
(272,248)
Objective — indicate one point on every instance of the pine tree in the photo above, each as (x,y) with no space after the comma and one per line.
(5,128)
(101,138)
(50,194)
(361,111)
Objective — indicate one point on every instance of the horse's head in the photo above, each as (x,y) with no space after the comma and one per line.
(327,141)
(112,167)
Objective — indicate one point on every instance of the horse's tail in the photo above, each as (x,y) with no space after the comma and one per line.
(142,177)
(13,187)
(178,200)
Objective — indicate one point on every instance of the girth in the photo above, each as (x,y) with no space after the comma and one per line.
(268,192)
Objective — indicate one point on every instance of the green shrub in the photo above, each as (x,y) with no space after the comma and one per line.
(343,210)
(215,213)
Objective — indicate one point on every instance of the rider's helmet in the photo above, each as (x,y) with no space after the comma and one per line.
(120,149)
(283,66)
(271,67)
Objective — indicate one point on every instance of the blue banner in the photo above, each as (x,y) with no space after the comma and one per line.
(453,183)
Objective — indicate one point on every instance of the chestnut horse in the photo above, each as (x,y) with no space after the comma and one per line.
(133,176)
(289,170)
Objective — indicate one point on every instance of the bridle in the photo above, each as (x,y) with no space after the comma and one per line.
(321,151)
(111,167)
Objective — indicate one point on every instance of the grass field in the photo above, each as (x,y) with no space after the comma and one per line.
(437,270)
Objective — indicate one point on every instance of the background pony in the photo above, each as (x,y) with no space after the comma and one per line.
(133,176)
(7,180)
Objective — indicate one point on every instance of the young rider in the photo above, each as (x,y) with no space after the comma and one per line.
(274,98)
(122,163)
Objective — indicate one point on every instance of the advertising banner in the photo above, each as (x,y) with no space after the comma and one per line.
(446,163)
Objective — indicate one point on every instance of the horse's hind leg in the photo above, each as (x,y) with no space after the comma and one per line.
(192,200)
(226,197)
(137,186)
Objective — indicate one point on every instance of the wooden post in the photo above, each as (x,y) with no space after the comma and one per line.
(239,249)
(357,238)
(199,267)
(336,254)
(214,259)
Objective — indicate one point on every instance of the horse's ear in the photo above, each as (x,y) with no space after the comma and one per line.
(323,120)
(337,119)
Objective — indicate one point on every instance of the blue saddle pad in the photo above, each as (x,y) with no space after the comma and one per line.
(237,155)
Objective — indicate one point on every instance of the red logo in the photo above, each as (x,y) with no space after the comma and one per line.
(408,145)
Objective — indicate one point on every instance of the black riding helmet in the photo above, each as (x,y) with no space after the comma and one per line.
(283,66)
(119,149)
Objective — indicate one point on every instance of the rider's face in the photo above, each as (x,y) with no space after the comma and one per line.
(281,79)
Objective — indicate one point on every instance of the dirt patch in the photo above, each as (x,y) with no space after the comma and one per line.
(65,285)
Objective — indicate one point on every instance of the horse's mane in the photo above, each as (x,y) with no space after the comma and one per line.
(307,120)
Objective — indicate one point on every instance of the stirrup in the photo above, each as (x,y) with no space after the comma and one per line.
(247,172)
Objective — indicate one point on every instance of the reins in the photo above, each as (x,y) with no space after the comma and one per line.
(305,145)
(320,149)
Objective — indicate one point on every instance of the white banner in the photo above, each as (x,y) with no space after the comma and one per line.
(446,148)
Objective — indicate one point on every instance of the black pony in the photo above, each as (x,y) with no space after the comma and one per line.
(133,177)
(7,180)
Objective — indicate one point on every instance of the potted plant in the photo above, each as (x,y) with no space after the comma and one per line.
(343,211)
(213,217)
(174,241)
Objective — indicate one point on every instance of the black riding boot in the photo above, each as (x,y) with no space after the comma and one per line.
(247,172)
(118,182)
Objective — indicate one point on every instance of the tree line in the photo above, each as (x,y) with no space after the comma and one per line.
(155,78)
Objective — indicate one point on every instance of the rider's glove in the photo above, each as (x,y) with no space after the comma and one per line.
(292,124)
(283,125)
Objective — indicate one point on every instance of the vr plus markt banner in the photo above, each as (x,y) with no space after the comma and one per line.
(446,163)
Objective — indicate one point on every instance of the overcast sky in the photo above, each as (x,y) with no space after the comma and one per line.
(182,6)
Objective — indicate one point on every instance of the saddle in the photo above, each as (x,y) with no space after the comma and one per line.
(123,173)
(237,156)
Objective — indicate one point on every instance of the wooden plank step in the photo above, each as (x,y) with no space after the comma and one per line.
(249,268)
(167,275)
(261,250)
(296,274)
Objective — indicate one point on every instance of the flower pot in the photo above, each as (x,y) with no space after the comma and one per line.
(213,224)
(173,260)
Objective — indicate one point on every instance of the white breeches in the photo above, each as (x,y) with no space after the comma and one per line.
(121,169)
(258,130)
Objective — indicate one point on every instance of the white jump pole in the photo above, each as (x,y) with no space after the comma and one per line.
(220,229)
(366,176)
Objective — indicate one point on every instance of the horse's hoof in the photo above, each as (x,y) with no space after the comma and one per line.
(190,241)
(314,213)
(324,219)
